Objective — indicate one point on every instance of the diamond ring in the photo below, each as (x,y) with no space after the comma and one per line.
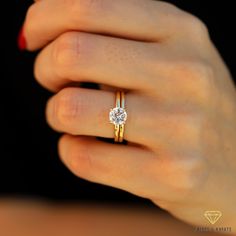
(118,116)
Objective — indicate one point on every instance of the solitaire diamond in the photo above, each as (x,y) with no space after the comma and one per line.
(118,116)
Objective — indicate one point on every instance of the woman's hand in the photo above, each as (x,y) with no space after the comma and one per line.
(181,101)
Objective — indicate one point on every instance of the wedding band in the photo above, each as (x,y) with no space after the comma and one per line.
(118,116)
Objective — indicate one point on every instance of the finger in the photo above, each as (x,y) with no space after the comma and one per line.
(81,111)
(87,57)
(135,19)
(124,167)
(86,112)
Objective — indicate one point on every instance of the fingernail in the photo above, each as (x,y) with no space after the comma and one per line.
(21,40)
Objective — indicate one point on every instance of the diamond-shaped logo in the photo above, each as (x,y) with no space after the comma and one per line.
(213,216)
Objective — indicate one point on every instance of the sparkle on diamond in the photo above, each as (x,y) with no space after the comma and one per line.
(118,116)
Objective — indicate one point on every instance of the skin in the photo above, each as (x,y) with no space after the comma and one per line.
(181,101)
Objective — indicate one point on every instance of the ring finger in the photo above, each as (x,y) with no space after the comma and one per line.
(86,112)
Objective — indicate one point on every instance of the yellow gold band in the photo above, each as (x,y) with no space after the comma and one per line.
(120,128)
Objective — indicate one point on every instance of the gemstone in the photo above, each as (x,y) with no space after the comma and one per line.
(118,116)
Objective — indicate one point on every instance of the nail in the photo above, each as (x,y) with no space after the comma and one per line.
(21,40)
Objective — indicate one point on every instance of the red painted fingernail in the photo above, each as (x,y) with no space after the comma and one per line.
(21,40)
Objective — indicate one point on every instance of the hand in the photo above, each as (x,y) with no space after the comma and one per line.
(181,101)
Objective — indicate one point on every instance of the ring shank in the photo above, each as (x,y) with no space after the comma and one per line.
(119,129)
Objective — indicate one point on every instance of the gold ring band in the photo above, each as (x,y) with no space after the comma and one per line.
(122,126)
(118,116)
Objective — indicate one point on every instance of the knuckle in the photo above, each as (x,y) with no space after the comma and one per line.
(189,22)
(186,126)
(71,6)
(198,70)
(93,5)
(203,76)
(67,107)
(195,26)
(192,175)
(65,53)
(82,11)
(190,172)
(182,175)
(199,74)
(170,7)
(198,25)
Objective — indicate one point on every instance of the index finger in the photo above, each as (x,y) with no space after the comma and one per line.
(143,20)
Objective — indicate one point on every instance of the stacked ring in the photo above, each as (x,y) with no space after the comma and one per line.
(118,116)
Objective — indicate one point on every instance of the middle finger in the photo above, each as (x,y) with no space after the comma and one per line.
(84,57)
